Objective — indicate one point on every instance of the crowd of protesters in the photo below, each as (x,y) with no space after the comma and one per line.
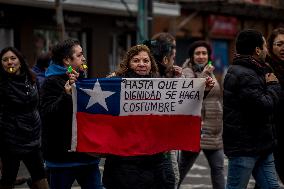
(241,118)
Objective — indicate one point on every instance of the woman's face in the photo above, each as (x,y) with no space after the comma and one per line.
(141,63)
(11,63)
(278,46)
(200,55)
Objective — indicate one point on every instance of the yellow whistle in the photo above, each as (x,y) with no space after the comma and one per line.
(11,70)
(85,66)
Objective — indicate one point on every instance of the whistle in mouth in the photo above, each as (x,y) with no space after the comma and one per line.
(85,66)
(11,70)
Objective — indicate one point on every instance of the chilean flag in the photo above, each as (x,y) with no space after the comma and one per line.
(134,116)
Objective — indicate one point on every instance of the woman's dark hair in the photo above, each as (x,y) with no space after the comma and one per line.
(124,65)
(159,49)
(63,50)
(247,40)
(163,36)
(196,44)
(24,66)
(272,37)
(43,60)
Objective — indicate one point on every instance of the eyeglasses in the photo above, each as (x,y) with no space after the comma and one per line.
(278,43)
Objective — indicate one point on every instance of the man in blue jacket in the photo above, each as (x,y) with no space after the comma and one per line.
(56,111)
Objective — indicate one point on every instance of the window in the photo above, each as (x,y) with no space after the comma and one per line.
(7,37)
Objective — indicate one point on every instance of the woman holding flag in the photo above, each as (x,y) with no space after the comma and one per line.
(139,172)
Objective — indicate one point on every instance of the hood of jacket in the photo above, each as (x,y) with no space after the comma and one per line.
(55,69)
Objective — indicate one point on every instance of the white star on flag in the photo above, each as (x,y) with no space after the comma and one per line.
(97,95)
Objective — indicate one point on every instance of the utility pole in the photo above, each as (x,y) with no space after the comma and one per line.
(150,17)
(60,19)
(144,19)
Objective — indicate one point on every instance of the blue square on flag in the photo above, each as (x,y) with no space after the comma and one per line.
(99,96)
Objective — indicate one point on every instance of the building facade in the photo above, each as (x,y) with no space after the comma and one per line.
(218,21)
(105,28)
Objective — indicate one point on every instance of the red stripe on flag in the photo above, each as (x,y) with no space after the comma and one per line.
(137,135)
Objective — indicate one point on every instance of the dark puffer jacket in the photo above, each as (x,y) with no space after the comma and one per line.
(249,103)
(56,112)
(278,68)
(19,117)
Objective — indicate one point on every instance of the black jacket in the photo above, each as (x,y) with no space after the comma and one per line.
(19,117)
(249,103)
(278,68)
(56,112)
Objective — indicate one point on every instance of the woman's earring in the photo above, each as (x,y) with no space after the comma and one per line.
(165,60)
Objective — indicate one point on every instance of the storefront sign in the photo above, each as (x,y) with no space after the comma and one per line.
(222,25)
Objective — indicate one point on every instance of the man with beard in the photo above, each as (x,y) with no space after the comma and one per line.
(251,94)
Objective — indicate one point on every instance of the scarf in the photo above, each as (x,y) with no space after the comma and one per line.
(249,61)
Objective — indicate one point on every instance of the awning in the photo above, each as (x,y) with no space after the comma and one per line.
(113,7)
(235,8)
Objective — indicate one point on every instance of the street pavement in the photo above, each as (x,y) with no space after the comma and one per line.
(199,175)
(197,178)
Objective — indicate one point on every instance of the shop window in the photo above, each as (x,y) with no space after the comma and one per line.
(7,37)
(120,43)
(45,39)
